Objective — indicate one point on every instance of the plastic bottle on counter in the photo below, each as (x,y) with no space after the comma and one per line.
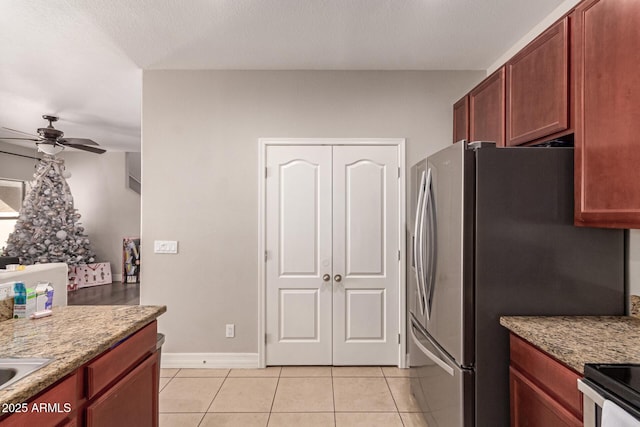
(20,293)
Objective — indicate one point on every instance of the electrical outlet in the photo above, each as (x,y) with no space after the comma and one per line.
(230,330)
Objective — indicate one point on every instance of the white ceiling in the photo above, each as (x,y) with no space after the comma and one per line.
(83,59)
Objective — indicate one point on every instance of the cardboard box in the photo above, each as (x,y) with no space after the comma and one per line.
(85,275)
(44,296)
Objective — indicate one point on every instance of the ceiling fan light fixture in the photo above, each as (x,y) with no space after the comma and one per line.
(49,149)
(50,140)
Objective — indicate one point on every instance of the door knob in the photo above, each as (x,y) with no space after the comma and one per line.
(337,278)
(326,277)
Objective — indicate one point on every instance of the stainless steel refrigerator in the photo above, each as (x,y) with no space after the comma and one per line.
(491,233)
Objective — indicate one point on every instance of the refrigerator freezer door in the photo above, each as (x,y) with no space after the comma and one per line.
(443,390)
(448,276)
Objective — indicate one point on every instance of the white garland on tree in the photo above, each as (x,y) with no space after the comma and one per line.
(47,229)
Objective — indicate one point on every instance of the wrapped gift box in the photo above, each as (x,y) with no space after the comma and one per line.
(131,260)
(85,275)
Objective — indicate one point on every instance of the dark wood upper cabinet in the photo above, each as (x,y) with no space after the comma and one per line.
(538,87)
(607,146)
(461,119)
(487,109)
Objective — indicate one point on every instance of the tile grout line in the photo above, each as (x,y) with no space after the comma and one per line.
(203,415)
(394,400)
(273,399)
(165,386)
(214,397)
(333,399)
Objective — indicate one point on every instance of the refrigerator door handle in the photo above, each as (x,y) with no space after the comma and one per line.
(430,273)
(417,243)
(426,275)
(434,358)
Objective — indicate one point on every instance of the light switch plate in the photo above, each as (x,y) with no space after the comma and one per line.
(165,246)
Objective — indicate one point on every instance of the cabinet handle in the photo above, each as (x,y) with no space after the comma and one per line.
(326,277)
(337,278)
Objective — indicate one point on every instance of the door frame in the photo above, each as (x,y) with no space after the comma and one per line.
(263,144)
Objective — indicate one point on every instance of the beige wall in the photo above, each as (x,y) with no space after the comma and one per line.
(16,167)
(109,210)
(562,9)
(200,173)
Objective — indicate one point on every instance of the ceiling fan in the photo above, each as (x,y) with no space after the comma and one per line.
(50,140)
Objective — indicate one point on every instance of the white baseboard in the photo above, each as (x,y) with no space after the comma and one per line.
(209,360)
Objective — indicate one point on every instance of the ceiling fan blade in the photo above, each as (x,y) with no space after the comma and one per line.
(86,148)
(21,139)
(83,141)
(19,131)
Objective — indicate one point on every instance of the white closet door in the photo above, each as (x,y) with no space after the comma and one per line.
(365,255)
(298,242)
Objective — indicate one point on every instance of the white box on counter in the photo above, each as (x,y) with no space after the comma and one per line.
(54,273)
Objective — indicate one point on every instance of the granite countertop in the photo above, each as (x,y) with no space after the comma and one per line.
(634,305)
(576,340)
(73,335)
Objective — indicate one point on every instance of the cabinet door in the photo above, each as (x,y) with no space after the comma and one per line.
(532,407)
(607,148)
(132,401)
(538,87)
(554,378)
(50,408)
(461,119)
(486,110)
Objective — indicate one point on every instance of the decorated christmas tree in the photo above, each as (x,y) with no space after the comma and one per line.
(48,229)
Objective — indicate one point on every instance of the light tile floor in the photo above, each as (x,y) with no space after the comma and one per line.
(305,396)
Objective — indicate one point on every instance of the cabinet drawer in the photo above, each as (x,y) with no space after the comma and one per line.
(117,361)
(556,379)
(49,409)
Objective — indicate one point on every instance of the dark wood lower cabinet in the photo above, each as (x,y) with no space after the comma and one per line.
(132,401)
(58,404)
(117,388)
(543,391)
(532,407)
